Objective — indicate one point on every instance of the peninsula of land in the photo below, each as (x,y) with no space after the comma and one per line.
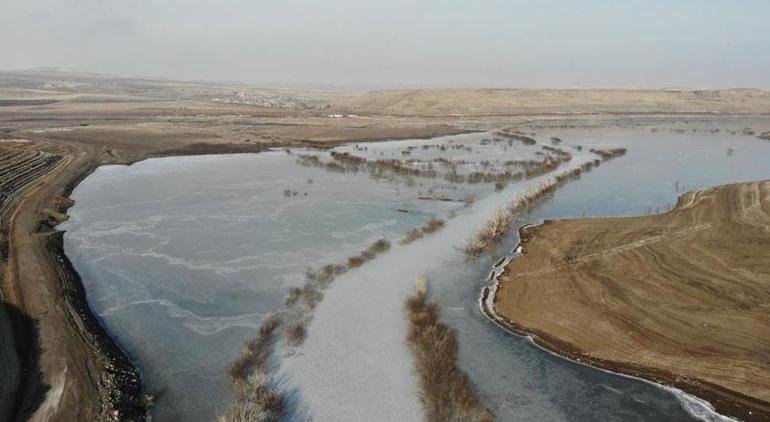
(681,298)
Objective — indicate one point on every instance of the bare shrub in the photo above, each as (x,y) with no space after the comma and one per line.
(445,390)
(376,248)
(411,236)
(257,351)
(379,246)
(609,153)
(311,296)
(255,400)
(327,273)
(348,158)
(355,261)
(432,226)
(492,232)
(293,296)
(295,333)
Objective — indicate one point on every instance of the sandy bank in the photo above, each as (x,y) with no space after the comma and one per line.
(678,298)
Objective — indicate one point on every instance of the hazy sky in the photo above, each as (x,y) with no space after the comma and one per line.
(393,43)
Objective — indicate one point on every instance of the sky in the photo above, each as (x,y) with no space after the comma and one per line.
(399,43)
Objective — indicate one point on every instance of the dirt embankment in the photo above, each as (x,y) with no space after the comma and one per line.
(681,298)
(71,368)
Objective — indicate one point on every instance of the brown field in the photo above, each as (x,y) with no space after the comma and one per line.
(682,298)
(497,102)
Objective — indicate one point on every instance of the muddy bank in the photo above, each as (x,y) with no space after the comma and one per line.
(584,254)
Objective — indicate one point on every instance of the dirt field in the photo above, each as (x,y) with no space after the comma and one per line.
(681,297)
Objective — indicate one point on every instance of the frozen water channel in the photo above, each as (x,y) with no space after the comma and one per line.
(183,257)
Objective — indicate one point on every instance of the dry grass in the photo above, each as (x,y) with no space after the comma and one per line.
(446,393)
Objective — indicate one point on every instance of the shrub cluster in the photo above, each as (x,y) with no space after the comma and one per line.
(255,399)
(445,391)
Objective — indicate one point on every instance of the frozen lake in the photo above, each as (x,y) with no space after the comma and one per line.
(183,257)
